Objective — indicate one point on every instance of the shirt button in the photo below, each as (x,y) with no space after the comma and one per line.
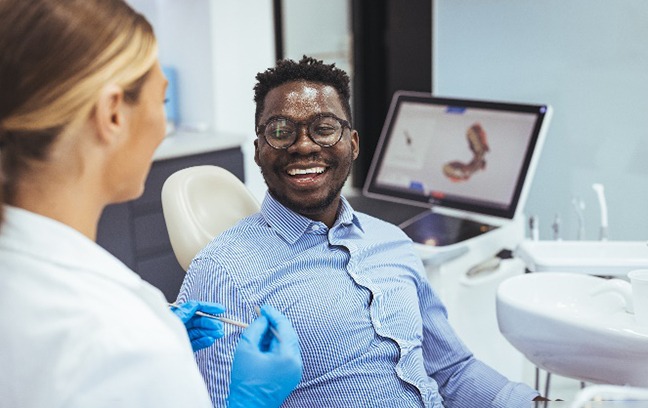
(315,227)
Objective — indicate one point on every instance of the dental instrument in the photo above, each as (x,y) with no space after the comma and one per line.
(579,206)
(222,319)
(556,227)
(534,227)
(600,193)
(233,322)
(257,309)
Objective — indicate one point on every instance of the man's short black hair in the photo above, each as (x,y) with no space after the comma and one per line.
(307,69)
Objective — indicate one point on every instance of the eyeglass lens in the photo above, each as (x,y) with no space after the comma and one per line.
(323,130)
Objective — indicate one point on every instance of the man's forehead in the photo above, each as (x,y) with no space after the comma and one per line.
(302,98)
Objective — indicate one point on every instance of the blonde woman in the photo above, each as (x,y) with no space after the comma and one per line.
(81,113)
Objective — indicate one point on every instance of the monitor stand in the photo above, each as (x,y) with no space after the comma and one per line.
(435,229)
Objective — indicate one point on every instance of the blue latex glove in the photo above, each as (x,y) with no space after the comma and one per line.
(265,370)
(202,331)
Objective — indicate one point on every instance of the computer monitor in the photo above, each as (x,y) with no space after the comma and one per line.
(473,156)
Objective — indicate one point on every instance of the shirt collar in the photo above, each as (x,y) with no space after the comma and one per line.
(291,226)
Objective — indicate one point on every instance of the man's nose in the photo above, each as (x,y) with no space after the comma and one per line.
(303,141)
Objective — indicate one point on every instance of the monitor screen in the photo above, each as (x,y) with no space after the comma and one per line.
(472,155)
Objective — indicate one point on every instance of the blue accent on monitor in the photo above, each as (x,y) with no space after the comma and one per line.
(456,109)
(416,185)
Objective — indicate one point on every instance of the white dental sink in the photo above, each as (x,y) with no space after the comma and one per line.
(557,322)
(605,258)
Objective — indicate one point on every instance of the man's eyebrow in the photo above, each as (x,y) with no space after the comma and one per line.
(292,119)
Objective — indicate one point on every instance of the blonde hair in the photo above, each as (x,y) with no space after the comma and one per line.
(55,57)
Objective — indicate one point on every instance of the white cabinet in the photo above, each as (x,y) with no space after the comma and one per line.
(216,48)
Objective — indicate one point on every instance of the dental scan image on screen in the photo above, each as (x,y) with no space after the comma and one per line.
(455,152)
(468,162)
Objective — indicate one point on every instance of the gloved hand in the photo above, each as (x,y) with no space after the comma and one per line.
(265,370)
(202,330)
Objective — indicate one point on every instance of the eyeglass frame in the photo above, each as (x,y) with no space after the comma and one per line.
(260,130)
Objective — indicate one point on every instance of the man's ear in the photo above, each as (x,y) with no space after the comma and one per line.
(355,144)
(109,113)
(256,152)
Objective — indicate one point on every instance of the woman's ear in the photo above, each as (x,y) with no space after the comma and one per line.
(109,113)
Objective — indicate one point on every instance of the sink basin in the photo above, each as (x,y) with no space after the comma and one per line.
(556,321)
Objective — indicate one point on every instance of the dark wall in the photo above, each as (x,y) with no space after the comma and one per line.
(392,51)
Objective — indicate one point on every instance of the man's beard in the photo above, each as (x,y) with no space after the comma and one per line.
(311,208)
(305,208)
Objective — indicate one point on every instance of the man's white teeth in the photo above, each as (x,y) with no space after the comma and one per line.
(314,170)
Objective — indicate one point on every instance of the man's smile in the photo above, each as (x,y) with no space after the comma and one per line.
(306,176)
(310,170)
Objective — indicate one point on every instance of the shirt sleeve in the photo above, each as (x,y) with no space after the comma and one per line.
(206,280)
(464,381)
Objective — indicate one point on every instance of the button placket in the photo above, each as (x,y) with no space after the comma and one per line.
(375,305)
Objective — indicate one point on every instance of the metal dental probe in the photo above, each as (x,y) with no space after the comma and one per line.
(232,321)
(222,319)
(257,309)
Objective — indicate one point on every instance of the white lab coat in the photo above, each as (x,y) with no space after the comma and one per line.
(79,329)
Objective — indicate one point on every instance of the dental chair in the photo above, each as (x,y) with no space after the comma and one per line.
(199,203)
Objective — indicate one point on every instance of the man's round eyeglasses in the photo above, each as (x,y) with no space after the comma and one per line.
(325,130)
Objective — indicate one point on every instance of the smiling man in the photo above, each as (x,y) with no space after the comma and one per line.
(372,331)
(300,128)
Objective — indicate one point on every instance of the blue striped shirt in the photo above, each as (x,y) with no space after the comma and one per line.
(372,331)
